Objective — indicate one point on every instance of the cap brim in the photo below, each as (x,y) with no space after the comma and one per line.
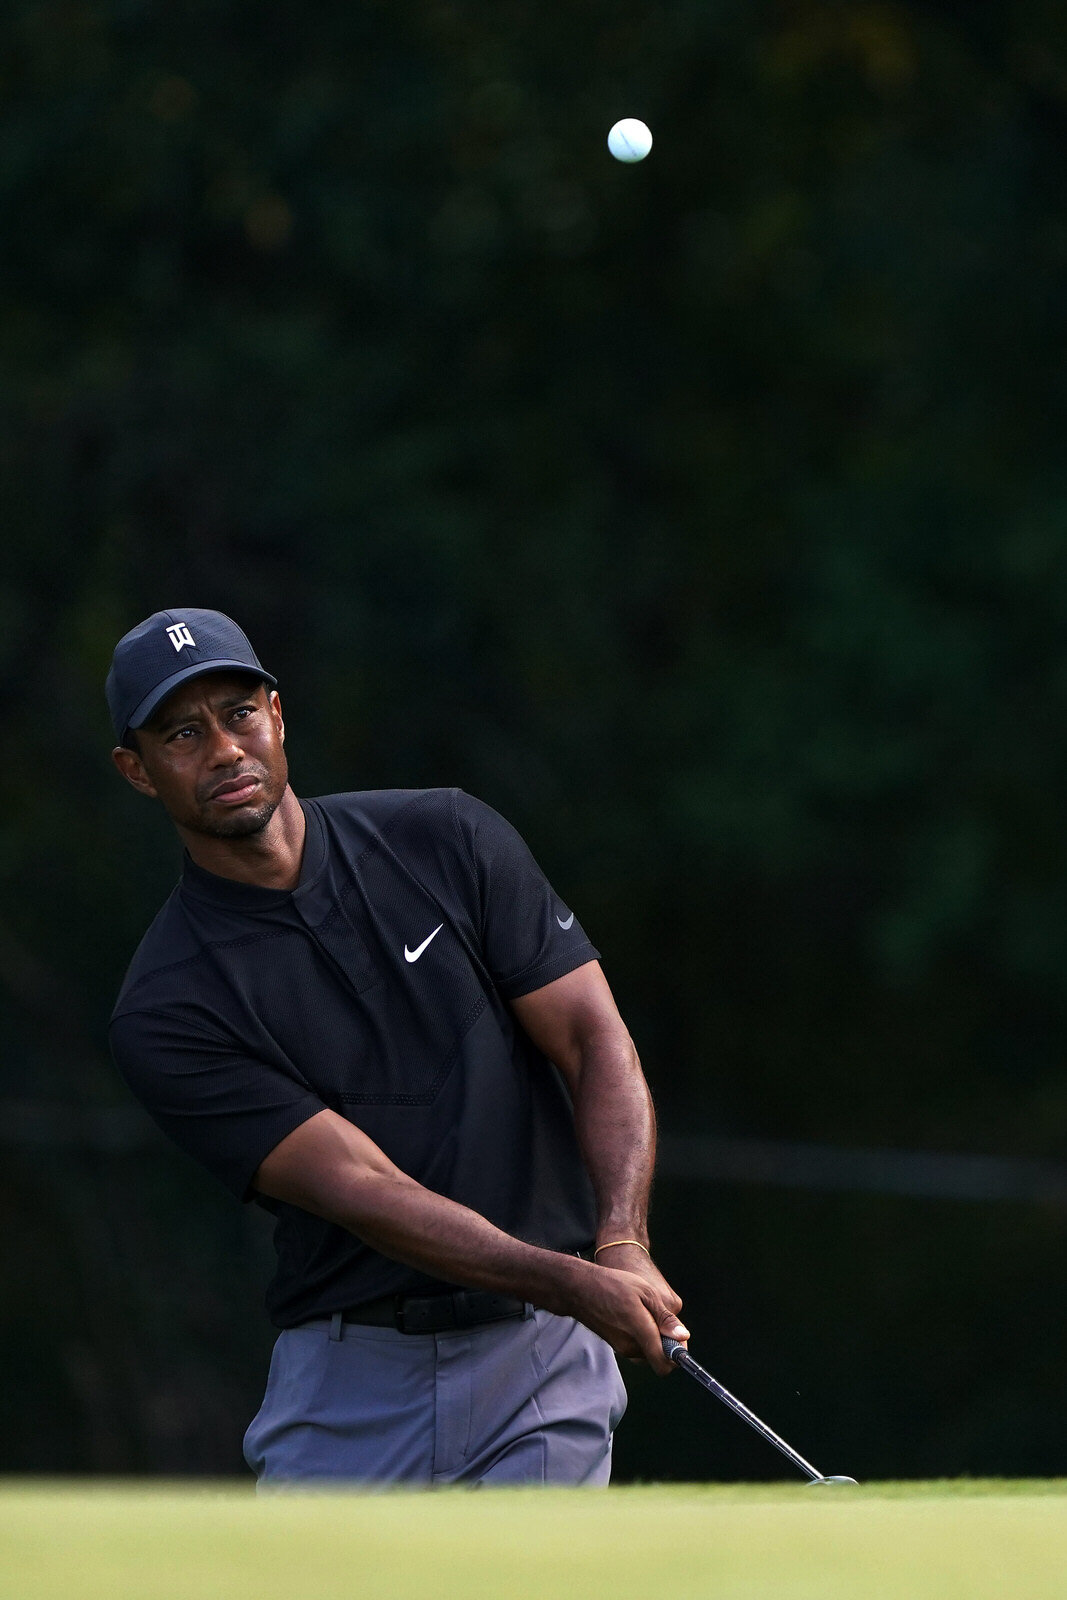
(151,702)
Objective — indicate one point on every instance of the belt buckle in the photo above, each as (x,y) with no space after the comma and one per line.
(419,1314)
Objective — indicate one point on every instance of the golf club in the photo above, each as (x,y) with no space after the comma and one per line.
(676,1352)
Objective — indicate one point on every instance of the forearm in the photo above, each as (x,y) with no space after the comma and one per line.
(616,1128)
(409,1223)
(414,1225)
(425,1230)
(330,1168)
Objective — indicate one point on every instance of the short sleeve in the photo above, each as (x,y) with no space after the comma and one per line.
(227,1110)
(529,935)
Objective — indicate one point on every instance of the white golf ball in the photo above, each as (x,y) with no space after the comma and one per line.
(629,140)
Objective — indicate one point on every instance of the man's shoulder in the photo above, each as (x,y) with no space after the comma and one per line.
(166,946)
(402,816)
(382,807)
(444,832)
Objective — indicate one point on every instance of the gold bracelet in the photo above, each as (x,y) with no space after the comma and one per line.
(611,1245)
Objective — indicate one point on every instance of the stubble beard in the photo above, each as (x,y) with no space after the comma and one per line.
(243,824)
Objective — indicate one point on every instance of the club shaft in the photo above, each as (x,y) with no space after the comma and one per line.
(681,1358)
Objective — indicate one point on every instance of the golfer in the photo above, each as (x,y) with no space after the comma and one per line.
(371,1014)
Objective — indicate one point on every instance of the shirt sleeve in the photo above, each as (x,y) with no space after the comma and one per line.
(225,1109)
(529,935)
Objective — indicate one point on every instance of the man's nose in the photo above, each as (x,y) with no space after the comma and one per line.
(223,748)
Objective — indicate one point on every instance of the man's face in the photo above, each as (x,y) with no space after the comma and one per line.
(213,754)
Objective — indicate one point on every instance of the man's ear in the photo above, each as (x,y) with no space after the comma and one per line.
(276,712)
(132,768)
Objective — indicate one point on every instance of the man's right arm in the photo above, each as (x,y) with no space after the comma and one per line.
(328,1167)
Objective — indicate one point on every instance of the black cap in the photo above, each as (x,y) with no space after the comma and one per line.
(169,648)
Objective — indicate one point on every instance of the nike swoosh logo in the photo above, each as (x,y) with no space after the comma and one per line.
(565,925)
(413,955)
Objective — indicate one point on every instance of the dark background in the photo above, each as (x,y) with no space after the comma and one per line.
(708,517)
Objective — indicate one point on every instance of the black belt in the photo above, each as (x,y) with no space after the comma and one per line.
(435,1313)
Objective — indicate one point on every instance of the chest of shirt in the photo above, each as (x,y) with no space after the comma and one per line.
(364,985)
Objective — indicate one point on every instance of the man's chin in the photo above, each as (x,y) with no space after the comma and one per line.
(240,824)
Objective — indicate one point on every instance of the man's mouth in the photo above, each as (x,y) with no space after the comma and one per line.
(235,791)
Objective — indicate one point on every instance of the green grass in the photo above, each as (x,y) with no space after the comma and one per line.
(954,1541)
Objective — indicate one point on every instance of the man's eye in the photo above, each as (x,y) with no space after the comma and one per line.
(179,733)
(244,711)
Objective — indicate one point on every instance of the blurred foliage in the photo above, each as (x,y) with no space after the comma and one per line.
(708,517)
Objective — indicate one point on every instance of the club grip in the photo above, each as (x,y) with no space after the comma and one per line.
(671,1347)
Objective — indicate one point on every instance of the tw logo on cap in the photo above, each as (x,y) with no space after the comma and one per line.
(179,636)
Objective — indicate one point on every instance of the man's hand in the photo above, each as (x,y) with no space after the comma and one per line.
(633,1311)
(631,1258)
(635,1262)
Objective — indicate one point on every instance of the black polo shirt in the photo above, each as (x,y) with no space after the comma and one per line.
(377,988)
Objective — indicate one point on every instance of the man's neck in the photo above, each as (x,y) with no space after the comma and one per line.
(270,860)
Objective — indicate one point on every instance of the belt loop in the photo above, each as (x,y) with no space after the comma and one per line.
(337,1323)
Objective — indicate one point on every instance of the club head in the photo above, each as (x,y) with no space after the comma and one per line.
(820,1481)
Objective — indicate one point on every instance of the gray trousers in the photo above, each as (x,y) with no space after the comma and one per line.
(530,1400)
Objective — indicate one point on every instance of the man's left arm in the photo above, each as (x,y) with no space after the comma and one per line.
(576,1024)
